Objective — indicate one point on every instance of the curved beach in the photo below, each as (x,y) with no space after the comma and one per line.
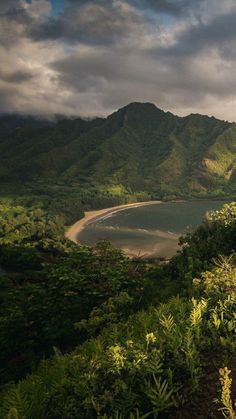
(91,216)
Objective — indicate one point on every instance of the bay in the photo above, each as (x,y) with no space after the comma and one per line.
(150,230)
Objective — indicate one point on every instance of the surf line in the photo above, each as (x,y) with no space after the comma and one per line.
(92,216)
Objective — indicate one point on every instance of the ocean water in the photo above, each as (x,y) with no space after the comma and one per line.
(150,230)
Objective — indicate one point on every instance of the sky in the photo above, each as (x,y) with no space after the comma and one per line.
(91,57)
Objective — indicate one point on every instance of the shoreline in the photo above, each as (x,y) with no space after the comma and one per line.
(91,216)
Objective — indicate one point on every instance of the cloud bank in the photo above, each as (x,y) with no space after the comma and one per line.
(94,56)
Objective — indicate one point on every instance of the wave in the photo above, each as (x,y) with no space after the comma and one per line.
(137,231)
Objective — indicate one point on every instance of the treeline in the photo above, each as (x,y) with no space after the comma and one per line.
(68,202)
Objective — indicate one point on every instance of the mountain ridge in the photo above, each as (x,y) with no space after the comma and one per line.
(138,148)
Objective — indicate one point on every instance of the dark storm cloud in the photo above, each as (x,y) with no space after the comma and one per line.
(217,33)
(13,19)
(12,11)
(172,7)
(103,21)
(97,55)
(93,22)
(15,76)
(86,70)
(7,5)
(99,70)
(166,6)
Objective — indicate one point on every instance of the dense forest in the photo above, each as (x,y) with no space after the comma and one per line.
(88,332)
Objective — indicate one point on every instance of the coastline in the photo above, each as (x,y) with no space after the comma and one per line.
(91,216)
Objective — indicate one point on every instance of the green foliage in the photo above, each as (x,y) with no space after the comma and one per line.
(215,237)
(122,347)
(226,382)
(51,285)
(153,361)
(28,235)
(138,150)
(159,394)
(113,310)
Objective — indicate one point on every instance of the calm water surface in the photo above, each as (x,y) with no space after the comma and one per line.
(151,230)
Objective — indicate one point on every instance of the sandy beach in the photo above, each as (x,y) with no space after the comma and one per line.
(91,216)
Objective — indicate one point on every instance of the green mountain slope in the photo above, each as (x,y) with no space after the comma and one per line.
(11,122)
(138,148)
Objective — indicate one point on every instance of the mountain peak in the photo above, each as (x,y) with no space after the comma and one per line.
(138,115)
(141,107)
(136,105)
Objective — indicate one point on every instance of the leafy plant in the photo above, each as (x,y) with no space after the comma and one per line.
(226,382)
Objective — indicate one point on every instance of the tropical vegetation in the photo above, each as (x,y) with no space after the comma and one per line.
(87,332)
(137,153)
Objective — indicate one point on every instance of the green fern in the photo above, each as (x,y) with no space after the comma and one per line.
(167,322)
(159,394)
(15,404)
